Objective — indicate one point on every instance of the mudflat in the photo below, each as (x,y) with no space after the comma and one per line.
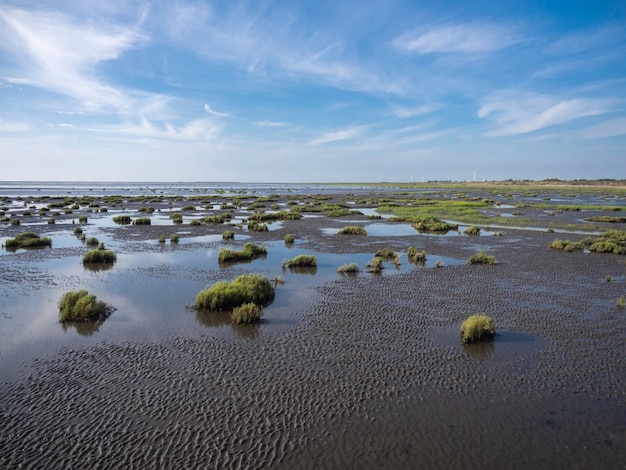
(361,371)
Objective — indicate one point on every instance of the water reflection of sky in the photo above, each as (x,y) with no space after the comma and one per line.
(150,291)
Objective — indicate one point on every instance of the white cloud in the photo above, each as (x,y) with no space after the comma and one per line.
(462,38)
(208,109)
(270,124)
(402,112)
(610,128)
(57,53)
(343,134)
(195,130)
(517,112)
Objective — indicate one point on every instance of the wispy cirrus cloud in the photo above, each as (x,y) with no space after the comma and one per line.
(515,112)
(212,112)
(194,130)
(408,112)
(55,52)
(343,134)
(457,38)
(270,124)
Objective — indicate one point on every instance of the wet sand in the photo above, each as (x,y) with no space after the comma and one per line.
(372,375)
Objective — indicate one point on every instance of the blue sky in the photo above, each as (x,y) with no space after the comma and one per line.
(312,91)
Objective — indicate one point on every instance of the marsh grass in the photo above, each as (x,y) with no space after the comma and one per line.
(416,256)
(482,258)
(246,313)
(255,226)
(473,230)
(376,265)
(82,219)
(142,221)
(228,235)
(246,288)
(249,252)
(352,230)
(27,240)
(162,238)
(612,241)
(122,219)
(174,238)
(477,328)
(351,268)
(620,302)
(289,239)
(91,241)
(300,261)
(82,306)
(99,256)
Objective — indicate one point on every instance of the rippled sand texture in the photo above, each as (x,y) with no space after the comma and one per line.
(372,376)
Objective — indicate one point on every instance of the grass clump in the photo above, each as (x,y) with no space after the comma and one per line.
(250,251)
(376,265)
(99,256)
(228,235)
(162,238)
(351,268)
(246,314)
(81,306)
(621,302)
(352,230)
(481,258)
(477,328)
(300,261)
(473,230)
(122,219)
(432,224)
(416,256)
(246,288)
(176,217)
(255,226)
(91,241)
(142,221)
(27,240)
(567,245)
(289,239)
(174,237)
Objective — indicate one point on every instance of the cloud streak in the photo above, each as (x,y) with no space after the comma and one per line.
(457,38)
(521,113)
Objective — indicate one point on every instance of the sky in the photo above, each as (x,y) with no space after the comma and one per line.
(312,91)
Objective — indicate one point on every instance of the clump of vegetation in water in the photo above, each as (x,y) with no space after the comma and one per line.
(82,306)
(482,258)
(27,240)
(250,251)
(613,241)
(99,256)
(122,219)
(388,254)
(176,217)
(351,268)
(607,219)
(246,313)
(477,328)
(255,226)
(432,224)
(289,239)
(376,265)
(78,231)
(142,221)
(162,238)
(174,238)
(300,261)
(416,256)
(91,241)
(246,288)
(352,230)
(15,221)
(473,230)
(82,219)
(228,235)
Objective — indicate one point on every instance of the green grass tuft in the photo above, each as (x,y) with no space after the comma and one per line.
(289,238)
(246,313)
(27,240)
(142,221)
(473,230)
(351,268)
(300,261)
(228,295)
(482,258)
(122,219)
(416,256)
(352,230)
(81,306)
(478,328)
(99,256)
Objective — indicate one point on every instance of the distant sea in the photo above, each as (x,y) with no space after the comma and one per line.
(103,188)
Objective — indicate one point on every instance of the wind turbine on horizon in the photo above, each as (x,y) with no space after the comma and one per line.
(474,180)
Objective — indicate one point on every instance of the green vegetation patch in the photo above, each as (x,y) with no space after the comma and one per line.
(228,235)
(301,261)
(99,256)
(352,230)
(27,240)
(432,224)
(250,251)
(477,328)
(244,289)
(351,268)
(246,314)
(482,258)
(416,256)
(82,306)
(289,239)
(142,221)
(122,219)
(607,218)
(613,241)
(473,230)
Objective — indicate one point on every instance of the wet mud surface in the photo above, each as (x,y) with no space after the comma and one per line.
(344,372)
